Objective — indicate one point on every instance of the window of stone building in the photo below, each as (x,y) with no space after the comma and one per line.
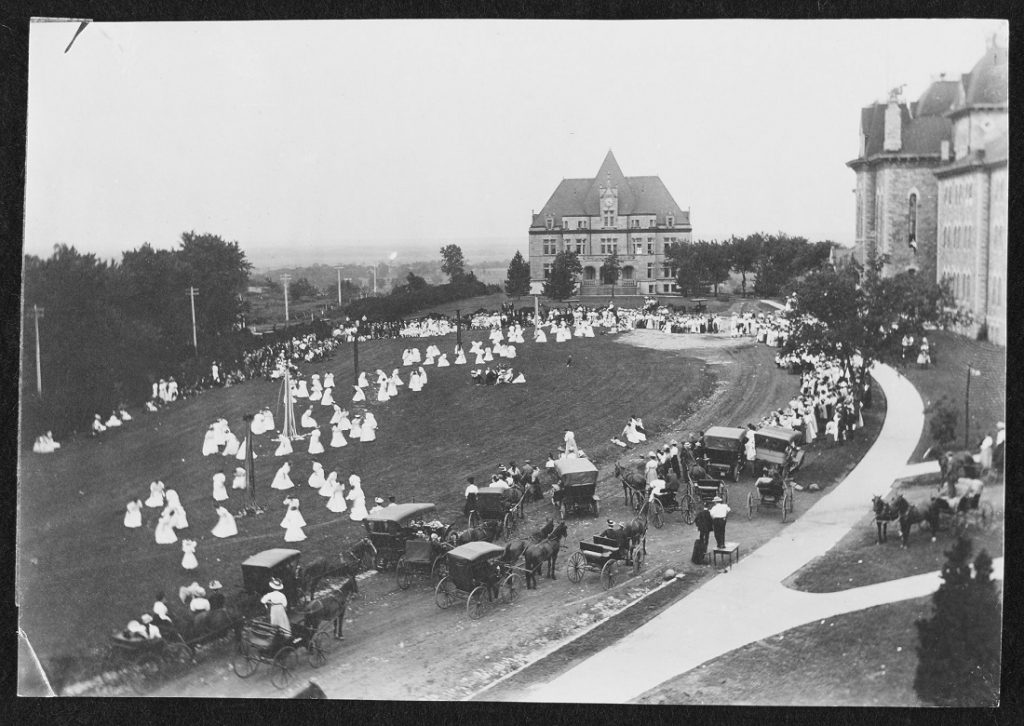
(549,222)
(650,270)
(635,223)
(582,224)
(650,245)
(547,270)
(670,221)
(581,245)
(653,222)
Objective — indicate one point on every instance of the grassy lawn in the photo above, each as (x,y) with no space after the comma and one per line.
(81,574)
(865,658)
(948,376)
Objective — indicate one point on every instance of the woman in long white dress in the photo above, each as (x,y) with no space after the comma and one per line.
(281,479)
(488,355)
(382,393)
(315,389)
(539,336)
(156,495)
(328,381)
(307,421)
(343,423)
(164,532)
(220,492)
(359,395)
(336,503)
(362,382)
(210,441)
(392,388)
(369,432)
(327,490)
(479,358)
(315,447)
(284,445)
(337,437)
(316,479)
(133,514)
(294,533)
(423,377)
(336,416)
(258,425)
(358,499)
(188,560)
(510,351)
(292,517)
(442,362)
(225,526)
(327,399)
(414,382)
(460,356)
(268,420)
(301,391)
(356,430)
(231,444)
(240,480)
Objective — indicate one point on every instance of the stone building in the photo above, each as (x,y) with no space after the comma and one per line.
(636,217)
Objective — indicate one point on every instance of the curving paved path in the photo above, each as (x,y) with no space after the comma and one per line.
(750,596)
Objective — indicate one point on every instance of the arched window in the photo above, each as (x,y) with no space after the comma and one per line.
(912,219)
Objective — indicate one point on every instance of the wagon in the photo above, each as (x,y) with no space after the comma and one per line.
(774,446)
(705,491)
(143,663)
(423,556)
(578,481)
(772,492)
(653,510)
(474,570)
(967,508)
(495,504)
(724,449)
(390,528)
(264,643)
(603,555)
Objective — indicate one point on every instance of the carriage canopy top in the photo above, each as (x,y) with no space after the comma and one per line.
(401,513)
(269,559)
(473,551)
(775,438)
(725,437)
(576,471)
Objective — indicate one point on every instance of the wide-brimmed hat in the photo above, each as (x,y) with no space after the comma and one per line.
(215,585)
(146,619)
(378,500)
(716,499)
(651,454)
(275,584)
(610,523)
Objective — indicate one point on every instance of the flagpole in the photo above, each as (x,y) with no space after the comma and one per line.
(967,408)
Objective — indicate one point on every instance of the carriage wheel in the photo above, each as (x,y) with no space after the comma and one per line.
(608,573)
(473,521)
(657,512)
(509,525)
(177,657)
(787,505)
(510,587)
(561,510)
(318,649)
(475,603)
(444,593)
(638,561)
(284,663)
(688,509)
(986,517)
(439,570)
(575,567)
(145,674)
(403,574)
(750,505)
(245,662)
(328,628)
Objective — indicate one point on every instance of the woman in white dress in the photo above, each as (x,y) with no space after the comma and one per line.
(189,561)
(358,500)
(240,454)
(258,425)
(382,393)
(338,437)
(240,480)
(336,503)
(362,382)
(281,479)
(301,391)
(231,445)
(315,389)
(178,518)
(156,495)
(114,421)
(328,380)
(327,490)
(356,430)
(392,388)
(429,360)
(479,358)
(307,421)
(460,356)
(476,347)
(133,514)
(414,382)
(336,416)
(268,420)
(284,445)
(294,533)
(343,423)
(369,432)
(328,397)
(220,492)
(539,336)
(164,532)
(315,447)
(396,378)
(510,351)
(210,441)
(225,526)
(292,517)
(423,377)
(488,355)
(442,362)
(359,395)
(316,479)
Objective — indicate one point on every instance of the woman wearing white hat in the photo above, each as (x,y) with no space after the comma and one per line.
(317,479)
(210,441)
(133,514)
(284,445)
(277,606)
(225,526)
(378,505)
(358,499)
(188,560)
(220,492)
(336,503)
(282,480)
(315,447)
(239,481)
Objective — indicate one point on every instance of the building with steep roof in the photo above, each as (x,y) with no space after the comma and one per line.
(636,217)
(932,186)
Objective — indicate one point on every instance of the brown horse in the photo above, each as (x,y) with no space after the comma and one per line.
(486,532)
(909,515)
(547,551)
(632,481)
(884,514)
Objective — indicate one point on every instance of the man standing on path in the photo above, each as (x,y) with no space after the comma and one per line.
(718,513)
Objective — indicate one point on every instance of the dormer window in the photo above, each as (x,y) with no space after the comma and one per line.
(654,222)
(671,221)
(549,222)
(582,224)
(635,223)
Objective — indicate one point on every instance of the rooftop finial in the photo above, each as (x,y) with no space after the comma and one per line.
(896,94)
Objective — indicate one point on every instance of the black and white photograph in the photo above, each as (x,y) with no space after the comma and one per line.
(533,361)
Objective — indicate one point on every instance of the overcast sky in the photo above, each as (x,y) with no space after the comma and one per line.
(312,133)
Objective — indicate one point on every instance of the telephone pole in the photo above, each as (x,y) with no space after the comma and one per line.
(192,292)
(339,285)
(284,283)
(38,312)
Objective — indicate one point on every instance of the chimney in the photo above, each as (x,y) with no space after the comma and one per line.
(944,149)
(893,140)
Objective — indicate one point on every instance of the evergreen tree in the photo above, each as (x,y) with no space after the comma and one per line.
(517,282)
(958,649)
(453,263)
(611,269)
(562,282)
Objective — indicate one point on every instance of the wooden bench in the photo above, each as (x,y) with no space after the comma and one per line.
(597,554)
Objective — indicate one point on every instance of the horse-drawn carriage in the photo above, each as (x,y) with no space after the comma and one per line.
(777,446)
(724,450)
(264,643)
(142,663)
(604,555)
(424,555)
(390,528)
(577,487)
(280,563)
(476,573)
(653,509)
(772,491)
(503,506)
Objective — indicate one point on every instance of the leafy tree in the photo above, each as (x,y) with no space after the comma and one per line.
(713,263)
(945,414)
(271,285)
(517,282)
(958,649)
(685,259)
(453,263)
(564,270)
(415,282)
(220,271)
(744,252)
(611,269)
(302,289)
